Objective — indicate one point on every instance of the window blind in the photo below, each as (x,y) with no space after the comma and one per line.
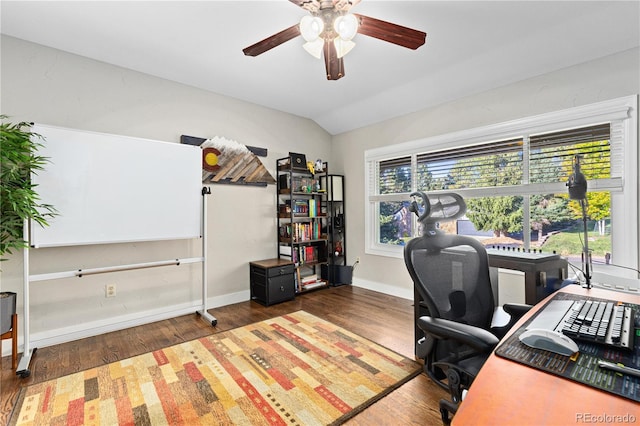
(485,165)
(501,163)
(395,176)
(552,154)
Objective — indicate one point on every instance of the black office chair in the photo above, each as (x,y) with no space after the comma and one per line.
(451,275)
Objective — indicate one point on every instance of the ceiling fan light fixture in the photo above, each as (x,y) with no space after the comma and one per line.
(311,27)
(343,46)
(346,26)
(314,48)
(328,31)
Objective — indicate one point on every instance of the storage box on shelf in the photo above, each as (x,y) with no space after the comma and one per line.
(302,222)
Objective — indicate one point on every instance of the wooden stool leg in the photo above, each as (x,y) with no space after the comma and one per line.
(14,340)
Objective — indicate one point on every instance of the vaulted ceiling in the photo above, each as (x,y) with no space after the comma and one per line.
(471,46)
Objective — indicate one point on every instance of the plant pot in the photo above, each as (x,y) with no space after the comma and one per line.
(7,309)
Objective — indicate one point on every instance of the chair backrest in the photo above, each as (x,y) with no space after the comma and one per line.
(451,273)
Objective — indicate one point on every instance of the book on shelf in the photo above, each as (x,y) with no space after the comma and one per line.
(313,207)
(301,231)
(300,255)
(310,254)
(309,279)
(314,284)
(300,207)
(307,282)
(285,231)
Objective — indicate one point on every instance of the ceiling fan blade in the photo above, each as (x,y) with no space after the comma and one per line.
(273,41)
(392,33)
(333,64)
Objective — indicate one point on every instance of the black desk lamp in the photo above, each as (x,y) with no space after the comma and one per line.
(578,191)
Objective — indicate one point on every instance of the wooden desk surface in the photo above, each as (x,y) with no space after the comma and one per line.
(508,393)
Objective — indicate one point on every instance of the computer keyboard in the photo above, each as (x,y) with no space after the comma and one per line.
(600,321)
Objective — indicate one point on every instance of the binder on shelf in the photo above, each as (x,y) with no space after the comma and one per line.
(284,182)
(285,251)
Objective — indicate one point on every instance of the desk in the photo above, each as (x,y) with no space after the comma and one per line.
(508,393)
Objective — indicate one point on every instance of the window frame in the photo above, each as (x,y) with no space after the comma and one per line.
(621,113)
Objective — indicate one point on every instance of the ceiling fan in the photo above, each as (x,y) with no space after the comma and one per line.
(329,29)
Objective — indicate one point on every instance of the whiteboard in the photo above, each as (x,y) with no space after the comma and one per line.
(112,189)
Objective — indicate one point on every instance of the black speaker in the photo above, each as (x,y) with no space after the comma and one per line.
(338,221)
(298,161)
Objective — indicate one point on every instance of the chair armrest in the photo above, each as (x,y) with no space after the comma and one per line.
(479,339)
(516,310)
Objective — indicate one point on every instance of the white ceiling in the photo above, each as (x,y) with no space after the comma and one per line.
(472,46)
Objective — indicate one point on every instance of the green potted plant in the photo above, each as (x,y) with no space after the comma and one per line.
(18,197)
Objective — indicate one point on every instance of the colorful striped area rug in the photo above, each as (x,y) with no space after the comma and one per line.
(295,369)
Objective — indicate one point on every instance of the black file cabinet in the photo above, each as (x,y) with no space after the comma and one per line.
(272,281)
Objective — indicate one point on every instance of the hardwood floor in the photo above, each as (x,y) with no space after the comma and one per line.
(384,319)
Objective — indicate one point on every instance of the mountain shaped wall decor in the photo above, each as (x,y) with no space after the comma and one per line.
(230,162)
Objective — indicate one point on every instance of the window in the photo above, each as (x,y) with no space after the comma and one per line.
(396,223)
(513,177)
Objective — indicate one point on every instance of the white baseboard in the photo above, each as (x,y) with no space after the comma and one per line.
(384,288)
(95,328)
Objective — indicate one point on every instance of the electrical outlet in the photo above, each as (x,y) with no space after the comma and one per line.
(110,290)
(358,259)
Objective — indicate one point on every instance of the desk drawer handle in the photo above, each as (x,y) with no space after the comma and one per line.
(282,288)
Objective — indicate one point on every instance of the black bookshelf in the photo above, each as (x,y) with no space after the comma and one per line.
(302,222)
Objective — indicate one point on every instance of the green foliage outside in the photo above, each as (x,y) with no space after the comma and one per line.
(18,197)
(569,242)
(498,214)
(598,203)
(547,210)
(393,180)
(389,229)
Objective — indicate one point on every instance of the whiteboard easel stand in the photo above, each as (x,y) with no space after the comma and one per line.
(28,352)
(203,313)
(23,366)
